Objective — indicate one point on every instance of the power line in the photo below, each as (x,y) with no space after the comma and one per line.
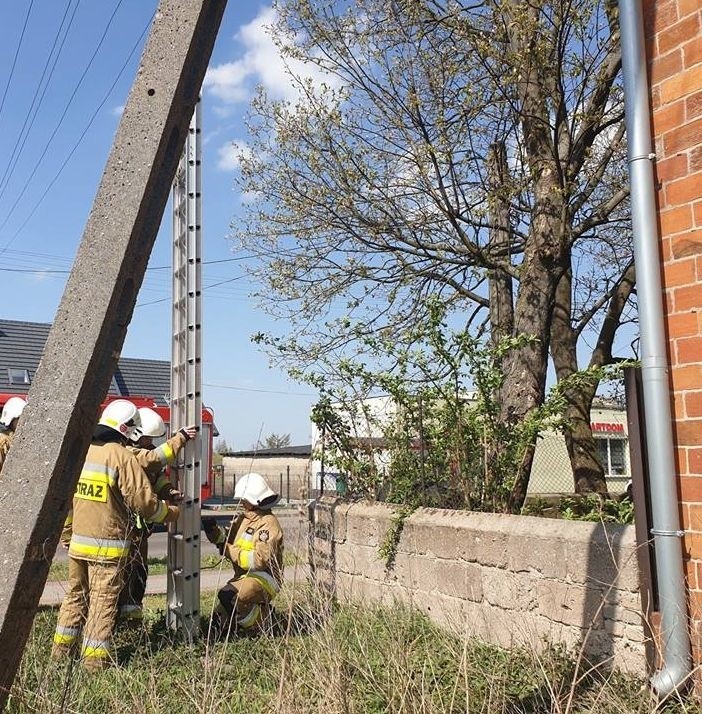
(17,51)
(261,391)
(19,147)
(78,143)
(58,125)
(206,287)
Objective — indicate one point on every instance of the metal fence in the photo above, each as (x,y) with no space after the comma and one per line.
(291,484)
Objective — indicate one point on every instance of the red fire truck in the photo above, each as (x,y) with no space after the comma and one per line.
(208,433)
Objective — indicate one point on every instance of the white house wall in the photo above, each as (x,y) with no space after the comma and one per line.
(551,471)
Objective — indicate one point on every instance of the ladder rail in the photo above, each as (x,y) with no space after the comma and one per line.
(183,589)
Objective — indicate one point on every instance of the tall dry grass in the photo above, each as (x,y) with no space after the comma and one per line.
(319,657)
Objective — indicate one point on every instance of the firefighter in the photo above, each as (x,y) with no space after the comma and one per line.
(111,487)
(254,544)
(11,413)
(154,460)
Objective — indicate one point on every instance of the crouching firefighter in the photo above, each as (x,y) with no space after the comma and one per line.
(111,487)
(154,460)
(254,544)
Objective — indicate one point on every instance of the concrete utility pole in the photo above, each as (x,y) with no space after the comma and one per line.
(81,352)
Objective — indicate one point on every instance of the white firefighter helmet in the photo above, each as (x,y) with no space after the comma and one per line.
(13,408)
(151,424)
(254,489)
(122,416)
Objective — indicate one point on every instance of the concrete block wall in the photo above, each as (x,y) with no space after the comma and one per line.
(509,580)
(674,47)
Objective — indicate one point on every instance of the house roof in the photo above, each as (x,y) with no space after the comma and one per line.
(305,450)
(21,347)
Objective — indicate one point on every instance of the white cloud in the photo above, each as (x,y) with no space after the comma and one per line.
(228,155)
(260,63)
(118,110)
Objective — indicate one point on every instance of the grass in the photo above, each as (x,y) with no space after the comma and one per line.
(321,657)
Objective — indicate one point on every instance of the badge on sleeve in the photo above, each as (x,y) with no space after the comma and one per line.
(264,536)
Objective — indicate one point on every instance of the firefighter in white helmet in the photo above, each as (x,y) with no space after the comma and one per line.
(254,544)
(11,413)
(154,460)
(112,486)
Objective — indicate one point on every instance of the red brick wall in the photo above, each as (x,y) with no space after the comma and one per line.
(674,39)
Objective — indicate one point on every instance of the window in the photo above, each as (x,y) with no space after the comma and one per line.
(612,455)
(18,376)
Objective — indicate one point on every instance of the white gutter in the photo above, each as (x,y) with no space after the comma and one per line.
(674,673)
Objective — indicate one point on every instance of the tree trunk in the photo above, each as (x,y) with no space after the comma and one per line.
(499,280)
(588,474)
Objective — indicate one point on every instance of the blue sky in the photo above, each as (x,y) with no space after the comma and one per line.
(66,67)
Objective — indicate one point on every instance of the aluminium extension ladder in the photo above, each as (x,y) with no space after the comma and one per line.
(183,589)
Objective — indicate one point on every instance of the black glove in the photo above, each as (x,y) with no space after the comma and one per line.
(209,524)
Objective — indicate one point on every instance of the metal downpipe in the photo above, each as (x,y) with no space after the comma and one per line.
(674,673)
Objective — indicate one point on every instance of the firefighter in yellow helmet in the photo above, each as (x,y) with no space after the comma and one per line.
(11,413)
(112,486)
(254,544)
(154,460)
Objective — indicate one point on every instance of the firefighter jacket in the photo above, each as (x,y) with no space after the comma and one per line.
(5,441)
(254,544)
(112,486)
(154,461)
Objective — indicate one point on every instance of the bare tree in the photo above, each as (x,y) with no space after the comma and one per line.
(461,150)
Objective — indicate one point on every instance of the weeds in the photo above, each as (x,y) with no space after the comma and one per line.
(317,656)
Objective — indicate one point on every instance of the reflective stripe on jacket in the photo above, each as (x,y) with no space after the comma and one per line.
(154,461)
(111,487)
(256,549)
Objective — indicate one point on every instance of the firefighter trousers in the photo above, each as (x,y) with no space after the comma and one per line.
(244,602)
(89,608)
(131,598)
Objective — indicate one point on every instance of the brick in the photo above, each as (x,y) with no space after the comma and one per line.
(679,33)
(684,190)
(693,404)
(665,66)
(690,489)
(690,349)
(694,468)
(692,52)
(687,298)
(692,548)
(696,604)
(686,377)
(685,324)
(693,106)
(673,167)
(680,272)
(659,15)
(688,432)
(680,456)
(678,406)
(695,155)
(687,7)
(697,213)
(685,83)
(687,244)
(666,119)
(669,301)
